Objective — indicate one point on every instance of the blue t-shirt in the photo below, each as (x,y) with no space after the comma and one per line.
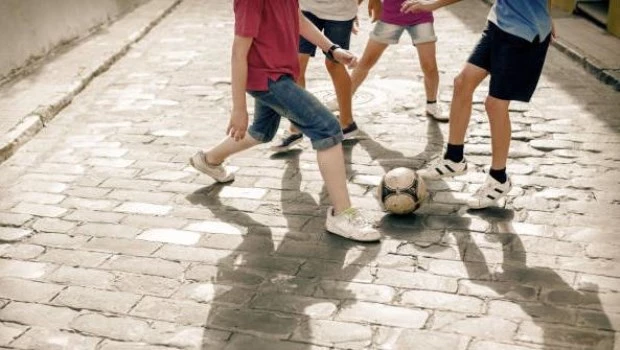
(523,18)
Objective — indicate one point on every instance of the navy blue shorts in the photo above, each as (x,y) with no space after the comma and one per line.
(339,32)
(514,63)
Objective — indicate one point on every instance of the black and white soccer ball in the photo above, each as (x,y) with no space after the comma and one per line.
(401,191)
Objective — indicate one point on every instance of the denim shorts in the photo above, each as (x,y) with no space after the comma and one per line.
(389,34)
(339,32)
(514,63)
(287,99)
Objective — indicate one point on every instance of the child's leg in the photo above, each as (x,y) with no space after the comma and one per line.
(339,32)
(319,124)
(331,165)
(460,110)
(428,63)
(342,86)
(371,55)
(228,147)
(501,130)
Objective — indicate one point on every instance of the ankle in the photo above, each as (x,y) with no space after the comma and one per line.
(499,175)
(454,152)
(212,161)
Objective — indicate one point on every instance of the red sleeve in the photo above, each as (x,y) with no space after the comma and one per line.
(247,17)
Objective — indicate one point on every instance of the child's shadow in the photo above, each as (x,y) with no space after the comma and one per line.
(550,302)
(270,285)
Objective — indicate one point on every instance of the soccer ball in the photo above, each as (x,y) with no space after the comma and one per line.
(401,191)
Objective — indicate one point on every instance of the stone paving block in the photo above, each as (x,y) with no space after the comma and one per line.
(28,291)
(358,291)
(143,208)
(381,314)
(41,186)
(107,230)
(557,335)
(418,280)
(96,299)
(205,255)
(88,192)
(38,315)
(442,301)
(115,345)
(24,269)
(147,221)
(147,266)
(176,311)
(10,331)
(111,327)
(420,340)
(226,275)
(334,334)
(482,327)
(144,284)
(121,246)
(74,258)
(83,215)
(13,219)
(20,251)
(531,310)
(79,276)
(216,293)
(38,338)
(9,234)
(255,321)
(58,240)
(242,341)
(317,268)
(289,304)
(491,345)
(497,290)
(170,236)
(174,335)
(40,197)
(39,210)
(141,196)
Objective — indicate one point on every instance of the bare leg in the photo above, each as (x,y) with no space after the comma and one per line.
(331,165)
(228,147)
(301,81)
(501,130)
(428,63)
(342,86)
(371,55)
(460,111)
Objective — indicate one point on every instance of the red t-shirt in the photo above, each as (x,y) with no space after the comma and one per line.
(274,25)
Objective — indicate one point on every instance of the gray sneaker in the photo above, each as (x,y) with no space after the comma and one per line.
(286,142)
(219,173)
(351,224)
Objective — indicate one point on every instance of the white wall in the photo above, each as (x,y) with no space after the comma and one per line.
(31,28)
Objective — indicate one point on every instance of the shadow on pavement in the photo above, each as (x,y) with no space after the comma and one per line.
(274,288)
(542,294)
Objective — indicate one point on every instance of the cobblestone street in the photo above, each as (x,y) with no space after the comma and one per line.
(110,240)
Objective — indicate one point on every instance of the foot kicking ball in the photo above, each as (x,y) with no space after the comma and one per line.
(401,191)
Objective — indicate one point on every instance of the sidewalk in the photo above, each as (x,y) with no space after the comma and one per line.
(109,240)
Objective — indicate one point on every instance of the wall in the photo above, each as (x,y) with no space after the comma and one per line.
(31,28)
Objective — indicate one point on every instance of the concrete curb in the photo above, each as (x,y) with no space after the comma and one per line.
(31,124)
(600,73)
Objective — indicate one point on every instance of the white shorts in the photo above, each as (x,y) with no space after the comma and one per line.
(387,33)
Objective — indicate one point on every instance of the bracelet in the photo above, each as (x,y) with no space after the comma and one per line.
(330,51)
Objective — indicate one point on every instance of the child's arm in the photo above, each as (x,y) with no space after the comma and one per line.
(238,123)
(424,5)
(313,35)
(375,7)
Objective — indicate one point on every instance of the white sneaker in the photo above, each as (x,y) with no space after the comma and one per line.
(351,224)
(286,142)
(219,173)
(332,105)
(443,168)
(489,194)
(434,111)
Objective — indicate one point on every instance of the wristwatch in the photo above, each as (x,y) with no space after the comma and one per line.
(330,52)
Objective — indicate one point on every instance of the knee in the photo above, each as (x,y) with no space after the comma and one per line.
(463,85)
(430,69)
(495,107)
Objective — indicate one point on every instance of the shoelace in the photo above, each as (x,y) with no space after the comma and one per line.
(354,216)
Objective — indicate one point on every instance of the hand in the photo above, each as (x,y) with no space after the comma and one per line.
(345,57)
(375,7)
(356,26)
(419,5)
(238,124)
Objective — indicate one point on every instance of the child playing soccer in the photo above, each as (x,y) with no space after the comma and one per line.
(336,19)
(512,51)
(392,22)
(264,64)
